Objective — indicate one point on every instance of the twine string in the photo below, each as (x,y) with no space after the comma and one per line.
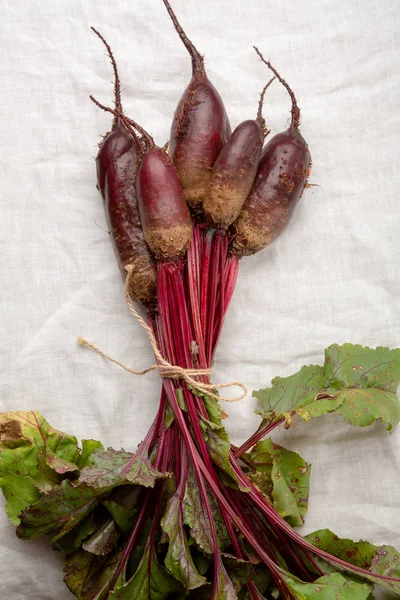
(165,368)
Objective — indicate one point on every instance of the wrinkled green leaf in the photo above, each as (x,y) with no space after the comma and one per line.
(354,366)
(58,512)
(262,580)
(329,587)
(219,447)
(213,409)
(195,516)
(284,476)
(359,383)
(72,540)
(88,448)
(245,595)
(150,582)
(88,576)
(240,571)
(181,399)
(201,561)
(383,560)
(102,541)
(27,441)
(224,588)
(112,468)
(137,554)
(60,465)
(178,560)
(289,393)
(168,416)
(122,504)
(33,459)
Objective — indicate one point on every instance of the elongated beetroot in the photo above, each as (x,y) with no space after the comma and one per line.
(117,163)
(200,127)
(165,217)
(281,178)
(235,169)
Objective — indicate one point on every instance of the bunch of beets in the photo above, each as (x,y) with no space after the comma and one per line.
(188,514)
(180,217)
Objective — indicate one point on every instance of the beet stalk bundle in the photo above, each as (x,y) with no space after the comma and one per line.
(188,514)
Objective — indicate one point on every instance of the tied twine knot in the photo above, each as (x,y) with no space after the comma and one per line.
(163,366)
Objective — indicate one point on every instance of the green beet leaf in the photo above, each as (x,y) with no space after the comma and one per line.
(34,457)
(58,512)
(122,504)
(102,541)
(195,516)
(289,393)
(89,576)
(213,409)
(262,579)
(217,440)
(72,540)
(224,587)
(219,448)
(88,448)
(245,595)
(330,587)
(112,468)
(150,582)
(178,560)
(283,476)
(240,571)
(169,417)
(357,382)
(382,560)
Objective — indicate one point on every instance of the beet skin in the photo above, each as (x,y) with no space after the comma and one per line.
(116,166)
(164,214)
(281,177)
(233,174)
(200,127)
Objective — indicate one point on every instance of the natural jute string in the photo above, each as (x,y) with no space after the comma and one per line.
(165,368)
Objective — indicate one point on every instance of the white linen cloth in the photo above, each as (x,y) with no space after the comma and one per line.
(333,276)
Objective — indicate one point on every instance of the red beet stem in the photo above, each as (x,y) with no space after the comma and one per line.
(197,59)
(295,109)
(147,137)
(260,119)
(120,116)
(117,83)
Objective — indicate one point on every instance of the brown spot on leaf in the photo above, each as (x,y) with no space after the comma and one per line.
(11,431)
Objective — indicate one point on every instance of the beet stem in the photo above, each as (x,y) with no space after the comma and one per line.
(295,109)
(197,58)
(260,118)
(117,83)
(148,138)
(121,116)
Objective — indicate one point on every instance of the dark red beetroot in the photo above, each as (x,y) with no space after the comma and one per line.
(235,169)
(117,162)
(281,178)
(165,217)
(200,127)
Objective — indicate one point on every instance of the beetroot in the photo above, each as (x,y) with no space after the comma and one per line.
(117,162)
(164,215)
(234,171)
(200,127)
(281,178)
